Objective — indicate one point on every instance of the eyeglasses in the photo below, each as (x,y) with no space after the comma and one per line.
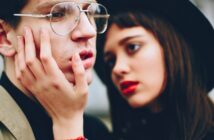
(65,16)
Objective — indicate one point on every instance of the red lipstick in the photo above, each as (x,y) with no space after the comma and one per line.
(128,87)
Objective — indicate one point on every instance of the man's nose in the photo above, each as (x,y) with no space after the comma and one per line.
(84,30)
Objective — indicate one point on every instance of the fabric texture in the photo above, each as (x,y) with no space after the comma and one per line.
(23,119)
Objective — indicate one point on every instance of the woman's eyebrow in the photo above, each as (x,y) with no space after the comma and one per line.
(129,38)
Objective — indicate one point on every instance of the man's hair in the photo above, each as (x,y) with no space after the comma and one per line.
(8,8)
(185,97)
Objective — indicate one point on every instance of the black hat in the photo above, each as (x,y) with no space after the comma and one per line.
(185,17)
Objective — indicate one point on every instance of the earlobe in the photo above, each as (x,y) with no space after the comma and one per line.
(7,51)
(6,48)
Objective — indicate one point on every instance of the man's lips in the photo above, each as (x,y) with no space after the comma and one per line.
(85,54)
(87,58)
(128,87)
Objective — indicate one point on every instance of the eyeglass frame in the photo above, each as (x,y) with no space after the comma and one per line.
(80,10)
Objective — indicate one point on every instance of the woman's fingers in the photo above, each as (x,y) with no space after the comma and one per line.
(30,55)
(17,70)
(62,100)
(48,61)
(21,55)
(21,69)
(80,75)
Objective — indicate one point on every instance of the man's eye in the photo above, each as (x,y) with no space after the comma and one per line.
(131,48)
(58,14)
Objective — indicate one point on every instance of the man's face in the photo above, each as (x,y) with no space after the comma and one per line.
(81,40)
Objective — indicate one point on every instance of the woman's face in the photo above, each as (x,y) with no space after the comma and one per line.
(137,64)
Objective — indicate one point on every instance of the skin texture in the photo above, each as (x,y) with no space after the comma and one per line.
(63,48)
(48,67)
(135,55)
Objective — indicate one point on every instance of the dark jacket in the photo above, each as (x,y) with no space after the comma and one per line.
(15,125)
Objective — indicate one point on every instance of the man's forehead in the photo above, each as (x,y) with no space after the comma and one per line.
(44,2)
(41,4)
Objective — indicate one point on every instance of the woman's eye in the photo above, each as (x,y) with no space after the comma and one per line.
(110,62)
(131,48)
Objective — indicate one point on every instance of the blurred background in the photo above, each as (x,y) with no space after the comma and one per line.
(98,102)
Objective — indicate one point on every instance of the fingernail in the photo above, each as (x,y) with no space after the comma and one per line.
(42,31)
(19,37)
(25,31)
(76,58)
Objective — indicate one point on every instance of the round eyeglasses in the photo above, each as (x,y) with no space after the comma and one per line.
(65,16)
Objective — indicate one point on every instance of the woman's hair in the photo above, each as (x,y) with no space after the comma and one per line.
(10,7)
(185,97)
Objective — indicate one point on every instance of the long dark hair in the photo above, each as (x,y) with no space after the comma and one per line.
(185,97)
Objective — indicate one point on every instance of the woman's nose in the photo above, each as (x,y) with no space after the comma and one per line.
(120,68)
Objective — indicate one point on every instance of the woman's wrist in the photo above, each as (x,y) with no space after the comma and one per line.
(68,129)
(78,138)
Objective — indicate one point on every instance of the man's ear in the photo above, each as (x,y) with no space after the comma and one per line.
(6,48)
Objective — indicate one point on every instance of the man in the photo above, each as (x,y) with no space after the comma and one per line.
(49,45)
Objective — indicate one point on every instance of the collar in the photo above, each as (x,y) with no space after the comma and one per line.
(13,117)
(37,117)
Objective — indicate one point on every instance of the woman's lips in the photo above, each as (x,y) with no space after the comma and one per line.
(128,87)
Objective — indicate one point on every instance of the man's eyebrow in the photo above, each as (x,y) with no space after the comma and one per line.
(50,4)
(46,5)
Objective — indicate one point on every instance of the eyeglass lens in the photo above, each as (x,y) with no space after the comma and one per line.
(65,17)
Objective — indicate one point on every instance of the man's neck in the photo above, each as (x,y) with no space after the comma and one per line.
(10,72)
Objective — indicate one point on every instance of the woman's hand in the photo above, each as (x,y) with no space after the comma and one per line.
(63,101)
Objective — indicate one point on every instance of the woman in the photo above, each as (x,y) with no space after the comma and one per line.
(158,57)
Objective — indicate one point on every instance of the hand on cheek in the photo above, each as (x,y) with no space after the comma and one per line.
(63,101)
